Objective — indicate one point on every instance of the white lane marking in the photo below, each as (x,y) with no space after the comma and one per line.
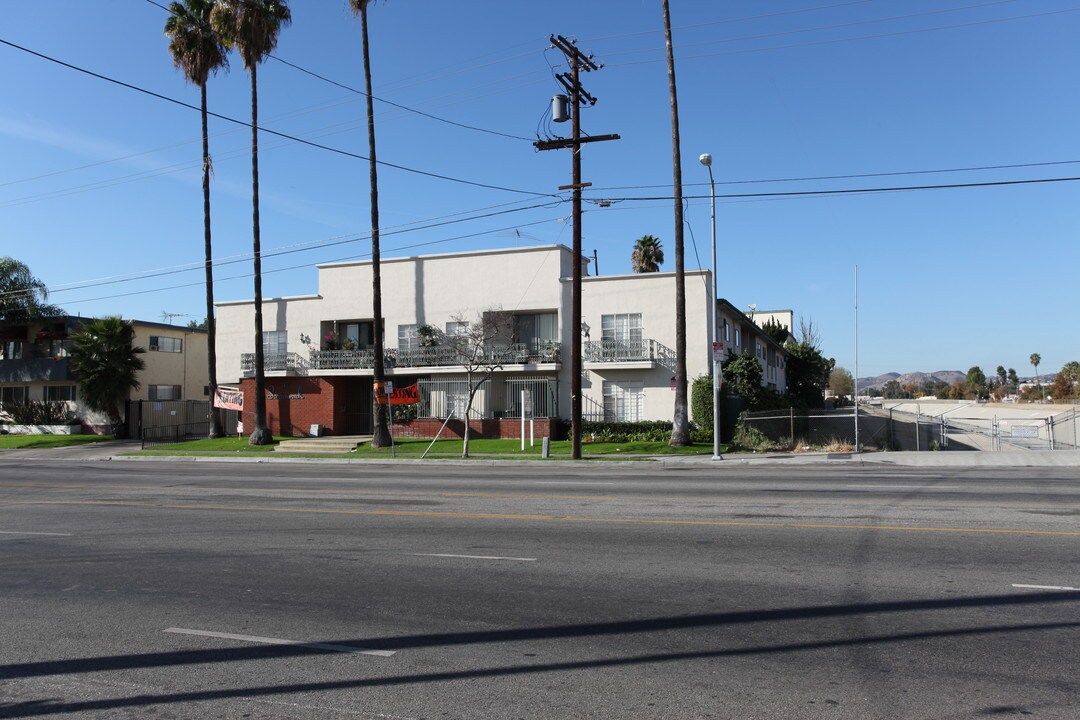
(474,557)
(279,641)
(905,487)
(19,532)
(1046,587)
(569,482)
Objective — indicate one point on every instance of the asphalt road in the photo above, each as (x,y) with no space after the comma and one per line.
(163,590)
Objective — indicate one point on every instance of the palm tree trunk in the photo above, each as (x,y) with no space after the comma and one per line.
(211,340)
(381,433)
(680,427)
(260,435)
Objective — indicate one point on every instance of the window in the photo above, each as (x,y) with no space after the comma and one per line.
(761,351)
(407,337)
(14,394)
(13,349)
(738,337)
(275,342)
(727,331)
(166,344)
(624,401)
(536,330)
(164,392)
(60,393)
(457,328)
(624,328)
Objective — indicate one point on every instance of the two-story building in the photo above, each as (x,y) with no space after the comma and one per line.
(319,358)
(34,364)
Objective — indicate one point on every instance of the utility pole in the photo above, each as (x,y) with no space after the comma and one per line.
(577,61)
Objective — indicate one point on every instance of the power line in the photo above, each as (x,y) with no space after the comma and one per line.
(287,250)
(860,191)
(306,265)
(267,130)
(375,97)
(850,176)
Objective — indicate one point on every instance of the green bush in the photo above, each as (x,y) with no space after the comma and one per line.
(701,406)
(750,438)
(39,412)
(644,431)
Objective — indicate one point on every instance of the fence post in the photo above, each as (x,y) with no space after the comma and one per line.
(1050,431)
(791,412)
(917,444)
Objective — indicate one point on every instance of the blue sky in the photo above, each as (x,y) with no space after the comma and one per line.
(99,183)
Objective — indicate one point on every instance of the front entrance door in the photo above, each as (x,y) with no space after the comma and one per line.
(358,420)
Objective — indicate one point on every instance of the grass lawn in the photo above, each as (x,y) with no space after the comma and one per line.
(49,441)
(217,446)
(414,448)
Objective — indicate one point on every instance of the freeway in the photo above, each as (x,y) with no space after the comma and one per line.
(308,590)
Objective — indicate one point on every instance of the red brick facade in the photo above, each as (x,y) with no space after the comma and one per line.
(294,404)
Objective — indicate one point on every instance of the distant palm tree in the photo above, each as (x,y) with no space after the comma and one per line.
(1036,358)
(22,296)
(252,27)
(107,363)
(381,431)
(198,52)
(648,255)
(680,425)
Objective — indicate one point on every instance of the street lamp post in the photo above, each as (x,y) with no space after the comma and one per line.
(706,160)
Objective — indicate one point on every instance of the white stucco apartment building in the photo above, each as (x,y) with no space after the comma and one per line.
(319,360)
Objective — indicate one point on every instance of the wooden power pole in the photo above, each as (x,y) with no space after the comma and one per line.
(577,61)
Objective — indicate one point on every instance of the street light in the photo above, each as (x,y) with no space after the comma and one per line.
(706,160)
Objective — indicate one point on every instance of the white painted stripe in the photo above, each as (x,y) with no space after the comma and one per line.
(905,487)
(279,641)
(569,482)
(474,557)
(18,532)
(1046,587)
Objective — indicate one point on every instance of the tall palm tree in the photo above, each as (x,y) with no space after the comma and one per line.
(1035,359)
(107,364)
(648,254)
(252,27)
(381,431)
(198,52)
(680,426)
(22,296)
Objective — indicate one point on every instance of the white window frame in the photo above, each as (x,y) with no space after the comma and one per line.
(275,342)
(624,401)
(69,391)
(7,394)
(13,349)
(455,328)
(407,337)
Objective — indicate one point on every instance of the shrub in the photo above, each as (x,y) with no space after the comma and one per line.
(644,431)
(701,405)
(751,438)
(39,412)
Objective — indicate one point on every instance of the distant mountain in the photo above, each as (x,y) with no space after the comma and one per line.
(917,378)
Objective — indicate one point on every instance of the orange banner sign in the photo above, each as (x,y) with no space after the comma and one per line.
(402,396)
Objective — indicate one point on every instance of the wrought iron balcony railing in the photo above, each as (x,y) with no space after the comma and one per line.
(275,362)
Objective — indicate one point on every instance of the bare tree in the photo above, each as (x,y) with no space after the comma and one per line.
(481,346)
(808,334)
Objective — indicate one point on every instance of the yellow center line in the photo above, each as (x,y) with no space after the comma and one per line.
(549,518)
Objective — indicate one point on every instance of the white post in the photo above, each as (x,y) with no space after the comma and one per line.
(532,430)
(706,160)
(523,421)
(857,369)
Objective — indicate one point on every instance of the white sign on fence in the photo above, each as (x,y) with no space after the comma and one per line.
(1024,431)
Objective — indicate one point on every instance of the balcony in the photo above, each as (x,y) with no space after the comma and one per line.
(641,354)
(288,363)
(434,356)
(35,369)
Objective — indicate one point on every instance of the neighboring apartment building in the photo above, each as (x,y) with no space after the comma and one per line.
(318,355)
(742,334)
(34,363)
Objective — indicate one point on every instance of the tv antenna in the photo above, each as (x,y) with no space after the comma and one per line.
(168,316)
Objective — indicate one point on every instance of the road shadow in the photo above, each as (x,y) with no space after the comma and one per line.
(649,625)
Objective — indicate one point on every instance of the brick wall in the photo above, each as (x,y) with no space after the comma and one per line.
(294,404)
